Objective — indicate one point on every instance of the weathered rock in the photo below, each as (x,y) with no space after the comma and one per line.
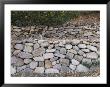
(26,61)
(82,46)
(76,48)
(75,41)
(38,58)
(63,51)
(25,55)
(64,62)
(33,64)
(69,55)
(87,62)
(48,64)
(68,46)
(13,69)
(79,58)
(73,67)
(65,69)
(59,55)
(38,52)
(29,44)
(19,46)
(54,62)
(51,70)
(57,66)
(61,44)
(74,62)
(72,51)
(48,55)
(92,55)
(85,50)
(50,50)
(92,48)
(45,44)
(28,48)
(36,46)
(21,68)
(39,70)
(16,52)
(80,52)
(81,68)
(41,64)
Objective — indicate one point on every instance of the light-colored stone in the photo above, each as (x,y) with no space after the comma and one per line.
(80,52)
(92,55)
(39,70)
(75,41)
(26,61)
(21,68)
(82,46)
(73,67)
(72,51)
(13,69)
(29,44)
(45,44)
(16,52)
(19,46)
(51,70)
(74,62)
(78,58)
(64,62)
(36,46)
(48,55)
(48,64)
(25,55)
(92,48)
(65,69)
(81,68)
(76,48)
(69,55)
(68,46)
(85,50)
(28,48)
(41,64)
(59,55)
(50,50)
(57,66)
(33,64)
(38,58)
(87,61)
(63,51)
(54,62)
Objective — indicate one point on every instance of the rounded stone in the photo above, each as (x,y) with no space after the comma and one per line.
(33,64)
(74,62)
(92,55)
(81,68)
(68,46)
(63,51)
(19,46)
(28,48)
(92,48)
(36,46)
(73,67)
(51,70)
(82,46)
(48,55)
(38,58)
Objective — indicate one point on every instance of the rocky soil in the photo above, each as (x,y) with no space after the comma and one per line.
(72,49)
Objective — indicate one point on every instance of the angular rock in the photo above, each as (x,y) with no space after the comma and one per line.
(36,46)
(74,62)
(81,68)
(48,55)
(63,51)
(57,66)
(51,70)
(25,55)
(59,55)
(16,52)
(73,67)
(65,69)
(92,55)
(26,61)
(50,50)
(69,55)
(72,51)
(78,58)
(54,62)
(41,64)
(29,44)
(82,46)
(64,62)
(38,58)
(92,48)
(19,46)
(75,41)
(76,48)
(68,46)
(48,64)
(33,64)
(39,70)
(28,48)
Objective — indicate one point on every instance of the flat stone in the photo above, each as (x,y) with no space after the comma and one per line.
(53,59)
(48,64)
(48,55)
(68,46)
(92,48)
(38,58)
(75,41)
(39,70)
(92,55)
(73,67)
(64,62)
(75,62)
(64,69)
(13,69)
(36,46)
(81,68)
(33,64)
(50,50)
(41,64)
(78,58)
(45,44)
(85,50)
(16,52)
(69,55)
(29,44)
(82,46)
(28,48)
(86,61)
(25,55)
(27,61)
(19,46)
(57,66)
(63,51)
(21,68)
(80,52)
(76,48)
(59,55)
(38,52)
(72,51)
(51,70)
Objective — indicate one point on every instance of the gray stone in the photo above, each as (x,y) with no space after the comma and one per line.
(80,52)
(68,46)
(92,55)
(65,69)
(16,52)
(50,50)
(59,55)
(76,48)
(73,67)
(38,58)
(64,62)
(69,55)
(51,70)
(29,44)
(53,59)
(28,48)
(25,55)
(57,66)
(45,44)
(19,46)
(48,55)
(75,41)
(21,68)
(74,62)
(82,46)
(79,58)
(63,51)
(13,69)
(41,64)
(72,51)
(92,48)
(39,70)
(81,68)
(26,61)
(85,50)
(86,61)
(36,46)
(54,62)
(33,64)
(38,52)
